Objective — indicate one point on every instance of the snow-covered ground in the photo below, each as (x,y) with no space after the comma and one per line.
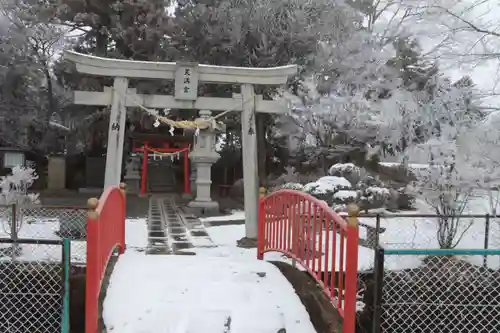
(220,289)
(136,233)
(234,216)
(180,294)
(43,229)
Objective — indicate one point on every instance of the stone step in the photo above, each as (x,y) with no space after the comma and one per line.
(158,251)
(160,240)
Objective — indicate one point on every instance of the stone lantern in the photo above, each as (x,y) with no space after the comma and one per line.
(203,157)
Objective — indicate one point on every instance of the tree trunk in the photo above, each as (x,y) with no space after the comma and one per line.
(50,93)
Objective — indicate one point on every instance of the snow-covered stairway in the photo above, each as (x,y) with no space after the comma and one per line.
(170,231)
(157,232)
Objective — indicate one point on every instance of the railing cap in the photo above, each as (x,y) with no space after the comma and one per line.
(92,204)
(352,214)
(262,192)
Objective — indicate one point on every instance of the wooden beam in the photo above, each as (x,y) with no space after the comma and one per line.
(167,101)
(166,70)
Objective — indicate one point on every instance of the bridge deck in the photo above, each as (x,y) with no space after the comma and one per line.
(199,294)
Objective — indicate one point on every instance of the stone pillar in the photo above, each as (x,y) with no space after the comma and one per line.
(116,133)
(192,178)
(203,157)
(56,173)
(250,165)
(133,174)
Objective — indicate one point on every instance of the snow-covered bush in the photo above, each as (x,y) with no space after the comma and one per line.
(344,197)
(325,187)
(290,186)
(14,190)
(374,197)
(349,171)
(291,176)
(14,187)
(405,201)
(337,191)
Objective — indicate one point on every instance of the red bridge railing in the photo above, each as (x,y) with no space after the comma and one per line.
(105,238)
(310,233)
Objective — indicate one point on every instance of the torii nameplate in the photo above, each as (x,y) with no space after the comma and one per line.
(186,82)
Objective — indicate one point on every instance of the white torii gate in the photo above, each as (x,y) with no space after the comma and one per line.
(187,77)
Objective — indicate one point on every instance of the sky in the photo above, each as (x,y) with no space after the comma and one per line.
(449,40)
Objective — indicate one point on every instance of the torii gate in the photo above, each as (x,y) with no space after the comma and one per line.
(187,77)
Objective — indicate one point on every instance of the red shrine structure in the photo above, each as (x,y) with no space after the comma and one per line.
(152,147)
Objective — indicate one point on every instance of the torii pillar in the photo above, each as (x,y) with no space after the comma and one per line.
(187,77)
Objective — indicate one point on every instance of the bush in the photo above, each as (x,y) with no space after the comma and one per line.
(326,187)
(291,176)
(290,186)
(348,171)
(405,201)
(348,183)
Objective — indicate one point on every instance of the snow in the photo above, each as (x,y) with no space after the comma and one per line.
(414,166)
(326,184)
(292,186)
(47,228)
(378,190)
(234,216)
(345,194)
(334,181)
(201,294)
(136,233)
(343,167)
(42,229)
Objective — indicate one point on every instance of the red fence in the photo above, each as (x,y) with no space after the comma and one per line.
(105,236)
(312,234)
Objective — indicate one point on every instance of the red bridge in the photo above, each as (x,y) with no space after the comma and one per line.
(296,224)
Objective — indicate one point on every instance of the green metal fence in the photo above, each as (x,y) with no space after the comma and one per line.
(34,292)
(437,291)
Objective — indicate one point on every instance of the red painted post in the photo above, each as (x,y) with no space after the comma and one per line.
(351,271)
(187,190)
(261,226)
(144,171)
(328,269)
(123,188)
(93,269)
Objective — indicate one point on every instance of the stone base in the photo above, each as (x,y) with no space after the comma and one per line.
(247,243)
(203,208)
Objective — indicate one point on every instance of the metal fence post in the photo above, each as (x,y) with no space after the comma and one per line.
(486,238)
(379,284)
(377,231)
(261,227)
(66,262)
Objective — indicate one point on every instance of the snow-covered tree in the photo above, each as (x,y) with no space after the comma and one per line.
(448,182)
(14,190)
(484,140)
